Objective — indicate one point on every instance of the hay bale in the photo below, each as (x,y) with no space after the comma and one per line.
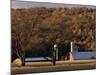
(17,62)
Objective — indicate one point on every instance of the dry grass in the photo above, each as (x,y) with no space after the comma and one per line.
(35,67)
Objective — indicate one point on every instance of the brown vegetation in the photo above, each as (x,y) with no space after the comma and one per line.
(35,26)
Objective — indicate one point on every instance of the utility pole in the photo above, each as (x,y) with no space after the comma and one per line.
(71,51)
(55,54)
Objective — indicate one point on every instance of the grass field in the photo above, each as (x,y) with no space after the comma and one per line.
(37,67)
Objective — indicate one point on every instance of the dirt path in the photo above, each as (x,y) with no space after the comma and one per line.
(35,67)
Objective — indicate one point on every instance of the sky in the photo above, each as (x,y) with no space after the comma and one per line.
(30,4)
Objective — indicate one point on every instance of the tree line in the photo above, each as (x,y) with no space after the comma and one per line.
(32,28)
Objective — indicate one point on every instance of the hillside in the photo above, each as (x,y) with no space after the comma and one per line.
(37,28)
